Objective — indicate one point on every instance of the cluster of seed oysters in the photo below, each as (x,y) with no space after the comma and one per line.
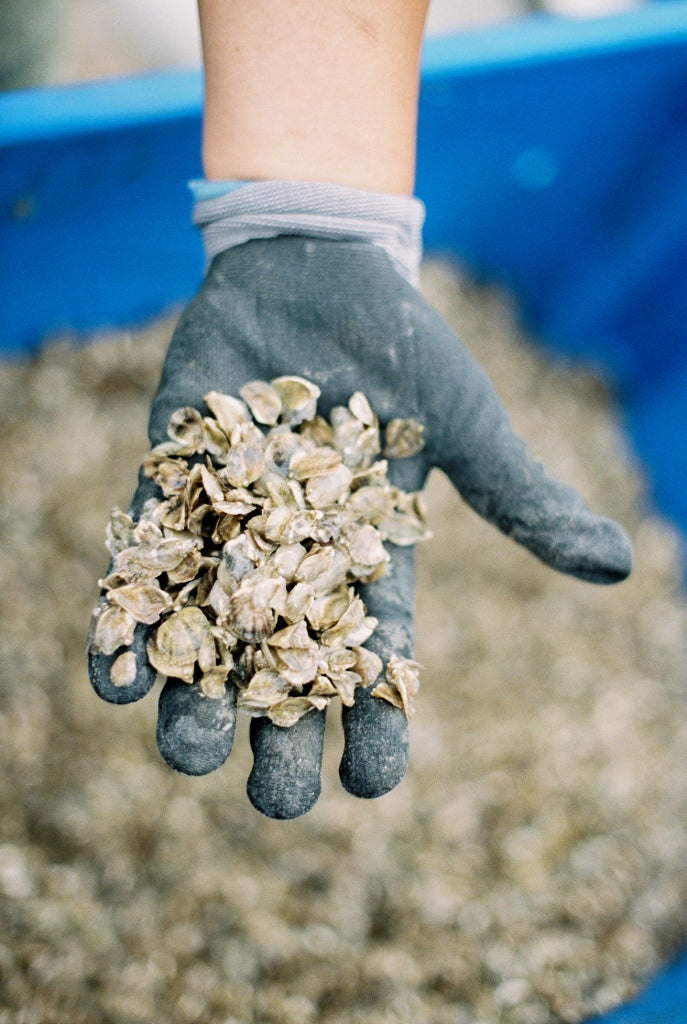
(245,568)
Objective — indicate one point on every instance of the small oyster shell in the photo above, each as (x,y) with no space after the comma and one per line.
(273,524)
(280,449)
(403,529)
(309,461)
(295,654)
(294,636)
(371,502)
(345,684)
(213,683)
(251,615)
(169,474)
(235,507)
(112,627)
(265,689)
(322,687)
(369,557)
(218,600)
(401,684)
(361,409)
(173,514)
(145,601)
(146,563)
(368,665)
(187,569)
(147,531)
(353,628)
(320,525)
(174,648)
(326,609)
(338,659)
(239,556)
(286,560)
(181,635)
(119,534)
(403,438)
(357,443)
(211,484)
(288,711)
(168,666)
(226,579)
(317,430)
(207,653)
(123,669)
(245,463)
(229,412)
(298,398)
(263,401)
(185,427)
(297,665)
(330,487)
(216,441)
(325,568)
(298,603)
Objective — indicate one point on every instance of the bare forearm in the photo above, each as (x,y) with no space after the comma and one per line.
(320,90)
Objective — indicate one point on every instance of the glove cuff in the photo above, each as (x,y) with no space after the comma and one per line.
(229,214)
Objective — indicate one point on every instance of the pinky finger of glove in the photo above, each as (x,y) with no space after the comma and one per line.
(109,686)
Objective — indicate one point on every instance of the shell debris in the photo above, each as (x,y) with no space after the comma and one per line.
(245,567)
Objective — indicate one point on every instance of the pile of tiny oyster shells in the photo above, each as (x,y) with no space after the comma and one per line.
(245,570)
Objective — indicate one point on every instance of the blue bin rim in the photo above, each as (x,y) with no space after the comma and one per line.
(539,38)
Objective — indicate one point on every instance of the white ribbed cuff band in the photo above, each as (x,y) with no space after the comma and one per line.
(266,209)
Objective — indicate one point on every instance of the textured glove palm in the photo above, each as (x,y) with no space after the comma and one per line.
(339,314)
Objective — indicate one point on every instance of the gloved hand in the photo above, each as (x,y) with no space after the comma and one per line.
(339,314)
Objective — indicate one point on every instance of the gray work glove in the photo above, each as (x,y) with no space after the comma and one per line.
(339,313)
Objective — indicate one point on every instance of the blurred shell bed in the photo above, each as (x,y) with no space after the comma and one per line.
(530,869)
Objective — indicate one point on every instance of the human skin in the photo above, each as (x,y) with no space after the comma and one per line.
(312,90)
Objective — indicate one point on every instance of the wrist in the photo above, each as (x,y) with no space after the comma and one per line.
(231,213)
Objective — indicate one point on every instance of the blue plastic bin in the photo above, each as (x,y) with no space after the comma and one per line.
(552,159)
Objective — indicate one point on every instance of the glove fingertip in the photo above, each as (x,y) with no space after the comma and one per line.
(609,556)
(195,733)
(285,780)
(375,755)
(122,684)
